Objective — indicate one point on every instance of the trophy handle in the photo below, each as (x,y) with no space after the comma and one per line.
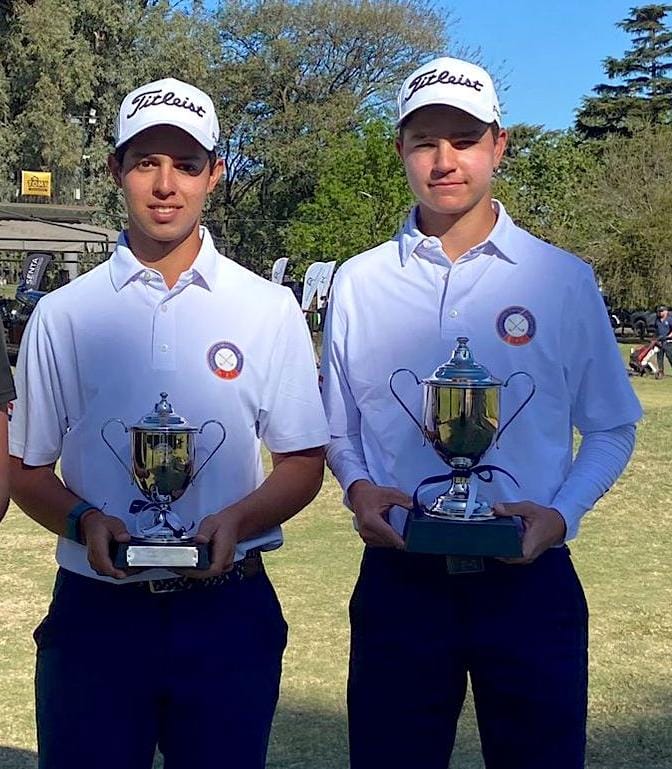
(522,405)
(401,403)
(111,447)
(215,450)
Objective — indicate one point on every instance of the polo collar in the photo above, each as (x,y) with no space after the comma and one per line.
(125,267)
(500,241)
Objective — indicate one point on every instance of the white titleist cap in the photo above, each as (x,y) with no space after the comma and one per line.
(168,102)
(452,82)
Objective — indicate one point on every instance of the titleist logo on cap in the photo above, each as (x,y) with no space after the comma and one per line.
(157,97)
(430,78)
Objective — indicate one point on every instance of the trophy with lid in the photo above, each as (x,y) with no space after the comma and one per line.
(461,420)
(162,467)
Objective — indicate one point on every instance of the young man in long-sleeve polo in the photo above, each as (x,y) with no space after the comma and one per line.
(126,662)
(460,267)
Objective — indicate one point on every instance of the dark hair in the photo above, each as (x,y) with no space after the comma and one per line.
(121,150)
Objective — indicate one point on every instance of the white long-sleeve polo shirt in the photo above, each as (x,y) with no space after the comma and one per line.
(524,305)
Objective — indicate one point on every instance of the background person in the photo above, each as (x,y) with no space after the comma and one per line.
(664,336)
(461,267)
(128,662)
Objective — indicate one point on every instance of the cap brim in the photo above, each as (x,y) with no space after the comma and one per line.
(484,116)
(206,142)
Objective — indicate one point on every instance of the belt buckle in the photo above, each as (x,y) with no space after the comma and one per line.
(159,586)
(464,564)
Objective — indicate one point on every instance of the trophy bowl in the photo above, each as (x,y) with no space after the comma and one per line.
(162,448)
(461,421)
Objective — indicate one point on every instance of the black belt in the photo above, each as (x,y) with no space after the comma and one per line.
(247,567)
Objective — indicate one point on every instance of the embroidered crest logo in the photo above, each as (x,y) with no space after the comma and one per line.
(225,360)
(516,326)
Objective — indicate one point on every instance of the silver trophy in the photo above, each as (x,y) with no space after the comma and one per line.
(163,468)
(461,420)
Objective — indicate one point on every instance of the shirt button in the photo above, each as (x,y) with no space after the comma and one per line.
(427,243)
(164,308)
(146,276)
(164,348)
(453,313)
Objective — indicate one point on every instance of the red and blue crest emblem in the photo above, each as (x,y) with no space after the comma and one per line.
(516,325)
(225,360)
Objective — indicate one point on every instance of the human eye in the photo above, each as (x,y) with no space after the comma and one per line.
(189,167)
(145,163)
(463,144)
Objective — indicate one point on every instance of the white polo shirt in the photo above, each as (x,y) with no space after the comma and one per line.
(224,344)
(524,306)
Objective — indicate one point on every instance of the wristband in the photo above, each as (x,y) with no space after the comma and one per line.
(72,528)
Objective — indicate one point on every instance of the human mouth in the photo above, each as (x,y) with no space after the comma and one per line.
(164,213)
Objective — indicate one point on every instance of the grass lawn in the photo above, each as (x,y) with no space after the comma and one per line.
(622,554)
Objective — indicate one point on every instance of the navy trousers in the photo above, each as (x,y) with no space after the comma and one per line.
(519,632)
(120,670)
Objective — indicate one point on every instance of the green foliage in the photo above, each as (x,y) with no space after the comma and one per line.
(644,94)
(361,195)
(286,79)
(625,201)
(295,77)
(540,178)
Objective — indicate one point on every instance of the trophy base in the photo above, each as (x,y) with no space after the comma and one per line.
(161,553)
(441,535)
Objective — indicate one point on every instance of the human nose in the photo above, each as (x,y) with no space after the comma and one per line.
(445,159)
(164,180)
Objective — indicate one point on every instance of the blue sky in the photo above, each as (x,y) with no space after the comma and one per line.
(550,51)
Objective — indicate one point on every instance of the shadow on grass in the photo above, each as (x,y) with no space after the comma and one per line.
(15,758)
(307,736)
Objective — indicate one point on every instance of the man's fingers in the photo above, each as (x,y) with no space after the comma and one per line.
(119,532)
(397,497)
(509,509)
(206,530)
(99,554)
(221,554)
(374,530)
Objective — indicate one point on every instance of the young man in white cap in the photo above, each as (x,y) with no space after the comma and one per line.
(421,624)
(129,661)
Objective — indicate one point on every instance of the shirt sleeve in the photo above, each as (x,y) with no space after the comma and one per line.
(601,459)
(7,392)
(291,417)
(39,418)
(600,392)
(345,455)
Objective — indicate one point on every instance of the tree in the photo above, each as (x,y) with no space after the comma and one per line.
(294,77)
(626,198)
(360,198)
(540,179)
(63,59)
(644,95)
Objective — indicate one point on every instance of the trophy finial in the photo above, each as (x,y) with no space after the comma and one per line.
(462,353)
(163,408)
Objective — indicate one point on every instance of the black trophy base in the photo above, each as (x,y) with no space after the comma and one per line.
(498,537)
(143,554)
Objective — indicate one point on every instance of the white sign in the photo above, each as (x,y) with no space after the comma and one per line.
(278,271)
(310,282)
(324,283)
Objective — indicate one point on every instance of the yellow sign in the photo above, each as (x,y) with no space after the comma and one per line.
(36,183)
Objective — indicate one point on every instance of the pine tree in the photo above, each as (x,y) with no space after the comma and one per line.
(642,93)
